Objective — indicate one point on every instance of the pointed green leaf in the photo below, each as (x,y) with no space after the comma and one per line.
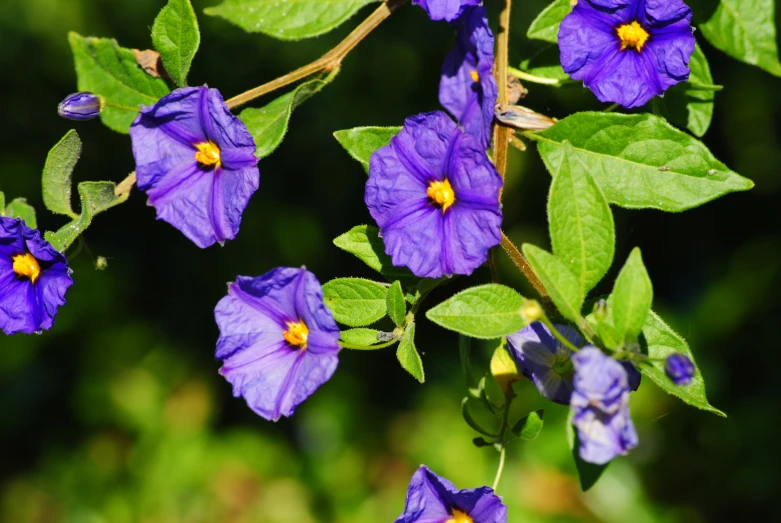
(176,37)
(546,25)
(408,356)
(745,30)
(287,19)
(364,242)
(2,203)
(486,311)
(19,208)
(562,286)
(361,336)
(487,425)
(588,473)
(111,71)
(57,171)
(361,142)
(397,307)
(355,302)
(640,161)
(631,298)
(529,426)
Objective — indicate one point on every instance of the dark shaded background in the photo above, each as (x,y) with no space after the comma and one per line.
(117,414)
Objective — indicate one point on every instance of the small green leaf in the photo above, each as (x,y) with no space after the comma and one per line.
(486,311)
(632,297)
(745,30)
(354,301)
(588,473)
(95,197)
(268,124)
(57,171)
(111,71)
(287,19)
(364,242)
(640,161)
(546,64)
(19,208)
(663,341)
(2,203)
(360,336)
(562,286)
(581,224)
(408,356)
(397,307)
(546,25)
(361,142)
(467,406)
(176,37)
(529,426)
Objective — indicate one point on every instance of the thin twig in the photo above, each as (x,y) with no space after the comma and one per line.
(522,263)
(502,133)
(499,470)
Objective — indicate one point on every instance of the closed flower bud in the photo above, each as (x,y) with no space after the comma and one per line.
(503,369)
(679,368)
(80,106)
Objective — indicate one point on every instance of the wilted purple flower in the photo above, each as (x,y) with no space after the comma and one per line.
(467,88)
(679,368)
(80,106)
(445,9)
(278,341)
(33,279)
(196,162)
(600,403)
(545,360)
(627,51)
(433,499)
(435,196)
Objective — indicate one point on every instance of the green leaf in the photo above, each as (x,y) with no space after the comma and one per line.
(546,64)
(397,307)
(632,297)
(663,341)
(57,171)
(287,19)
(468,405)
(19,208)
(529,426)
(546,25)
(268,124)
(408,356)
(745,30)
(588,473)
(2,203)
(111,71)
(176,37)
(640,161)
(361,142)
(354,301)
(364,242)
(95,197)
(486,311)
(581,224)
(562,286)
(360,336)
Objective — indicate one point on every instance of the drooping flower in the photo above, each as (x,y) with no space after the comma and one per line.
(435,196)
(33,279)
(433,499)
(600,403)
(196,162)
(278,342)
(447,10)
(467,88)
(679,368)
(80,106)
(627,51)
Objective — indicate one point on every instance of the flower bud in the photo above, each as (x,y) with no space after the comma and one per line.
(503,369)
(679,368)
(531,311)
(600,310)
(101,263)
(80,106)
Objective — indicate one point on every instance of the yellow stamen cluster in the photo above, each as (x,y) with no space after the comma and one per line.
(475,76)
(442,193)
(208,153)
(296,334)
(632,35)
(459,517)
(27,265)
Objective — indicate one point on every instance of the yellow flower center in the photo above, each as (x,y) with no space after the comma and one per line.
(27,265)
(632,35)
(296,334)
(475,76)
(442,193)
(459,517)
(208,153)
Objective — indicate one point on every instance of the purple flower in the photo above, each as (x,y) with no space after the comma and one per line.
(80,106)
(600,403)
(445,9)
(435,195)
(679,368)
(627,51)
(278,341)
(545,360)
(468,88)
(196,162)
(33,279)
(433,499)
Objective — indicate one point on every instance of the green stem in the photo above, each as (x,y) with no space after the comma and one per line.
(559,336)
(523,75)
(502,454)
(345,345)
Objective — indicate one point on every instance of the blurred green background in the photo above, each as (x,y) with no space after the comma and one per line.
(118,414)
